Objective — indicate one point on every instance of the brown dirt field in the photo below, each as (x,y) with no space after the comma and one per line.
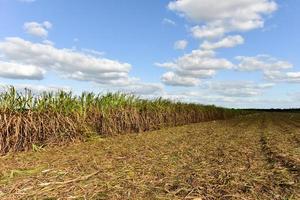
(249,157)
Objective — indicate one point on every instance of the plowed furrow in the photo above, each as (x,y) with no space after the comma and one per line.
(274,155)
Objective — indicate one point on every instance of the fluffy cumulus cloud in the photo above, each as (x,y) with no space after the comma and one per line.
(200,60)
(198,64)
(262,62)
(37,29)
(215,18)
(201,74)
(213,21)
(180,44)
(19,71)
(25,55)
(207,32)
(21,59)
(171,78)
(274,70)
(227,42)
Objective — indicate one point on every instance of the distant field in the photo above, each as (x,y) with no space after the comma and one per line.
(248,157)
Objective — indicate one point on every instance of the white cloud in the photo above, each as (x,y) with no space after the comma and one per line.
(168,21)
(226,93)
(111,78)
(188,69)
(238,88)
(26,60)
(170,78)
(169,65)
(227,42)
(278,76)
(274,70)
(202,74)
(37,29)
(243,10)
(35,89)
(47,24)
(262,62)
(20,71)
(143,89)
(68,63)
(219,17)
(200,60)
(48,42)
(205,94)
(186,96)
(208,32)
(180,44)
(94,52)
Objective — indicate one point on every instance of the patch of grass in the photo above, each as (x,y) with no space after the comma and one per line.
(9,176)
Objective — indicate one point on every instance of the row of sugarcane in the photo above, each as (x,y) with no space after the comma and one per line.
(58,118)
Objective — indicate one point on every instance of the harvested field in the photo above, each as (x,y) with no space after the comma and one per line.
(247,157)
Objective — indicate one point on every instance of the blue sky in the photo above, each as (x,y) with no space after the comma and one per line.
(238,53)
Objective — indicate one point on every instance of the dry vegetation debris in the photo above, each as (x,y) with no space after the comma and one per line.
(227,159)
